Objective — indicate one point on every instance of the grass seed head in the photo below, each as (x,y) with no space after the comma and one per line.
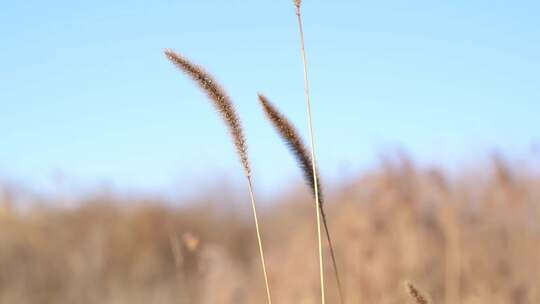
(221,102)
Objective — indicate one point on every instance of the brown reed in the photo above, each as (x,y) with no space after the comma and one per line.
(418,297)
(224,106)
(290,135)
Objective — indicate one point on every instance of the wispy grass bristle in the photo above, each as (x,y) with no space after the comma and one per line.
(297,4)
(290,135)
(418,297)
(224,106)
(221,102)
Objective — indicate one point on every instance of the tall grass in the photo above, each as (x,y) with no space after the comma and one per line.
(293,140)
(224,106)
(298,8)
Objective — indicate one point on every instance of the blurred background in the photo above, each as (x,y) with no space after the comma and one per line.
(119,183)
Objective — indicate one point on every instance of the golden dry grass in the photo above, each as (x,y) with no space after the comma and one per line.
(225,108)
(292,139)
(473,239)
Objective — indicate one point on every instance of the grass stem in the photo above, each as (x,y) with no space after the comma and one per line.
(312,144)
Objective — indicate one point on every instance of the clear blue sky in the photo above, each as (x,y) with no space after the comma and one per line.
(86,93)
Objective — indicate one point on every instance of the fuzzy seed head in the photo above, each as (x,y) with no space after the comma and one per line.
(293,140)
(220,100)
(416,294)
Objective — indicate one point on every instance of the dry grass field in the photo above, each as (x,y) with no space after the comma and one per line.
(473,238)
(397,233)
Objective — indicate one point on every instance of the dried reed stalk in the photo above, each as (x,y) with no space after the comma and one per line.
(224,106)
(418,297)
(290,135)
(298,4)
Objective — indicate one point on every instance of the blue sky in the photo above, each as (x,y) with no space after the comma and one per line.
(86,93)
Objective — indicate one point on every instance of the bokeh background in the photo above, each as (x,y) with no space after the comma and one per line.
(119,184)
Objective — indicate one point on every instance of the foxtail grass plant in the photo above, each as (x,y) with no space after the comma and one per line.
(417,296)
(292,138)
(224,106)
(298,6)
